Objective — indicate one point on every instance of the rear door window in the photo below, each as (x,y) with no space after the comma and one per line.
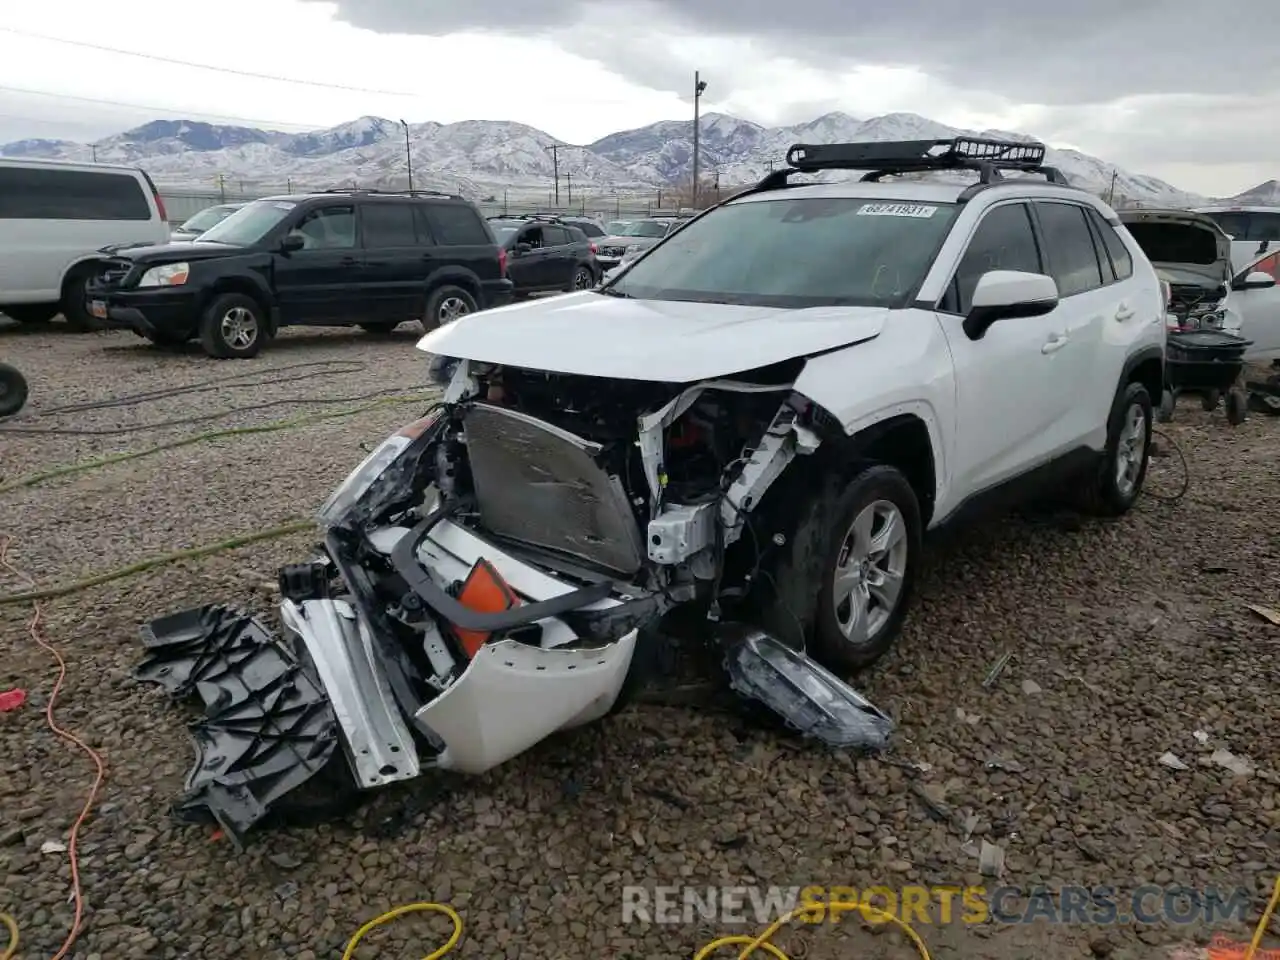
(555,237)
(457,225)
(40,193)
(1117,254)
(388,225)
(1069,247)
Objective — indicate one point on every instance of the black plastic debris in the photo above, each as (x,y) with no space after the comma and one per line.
(268,726)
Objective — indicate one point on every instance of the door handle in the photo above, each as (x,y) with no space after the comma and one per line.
(346,261)
(1055,343)
(1125,312)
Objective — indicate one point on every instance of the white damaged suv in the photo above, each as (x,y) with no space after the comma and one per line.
(756,423)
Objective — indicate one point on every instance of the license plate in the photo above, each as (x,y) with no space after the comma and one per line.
(98,309)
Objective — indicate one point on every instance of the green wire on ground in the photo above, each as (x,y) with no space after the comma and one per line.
(142,566)
(33,479)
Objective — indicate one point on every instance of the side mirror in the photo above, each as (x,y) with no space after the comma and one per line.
(1258,280)
(292,243)
(523,248)
(1009,295)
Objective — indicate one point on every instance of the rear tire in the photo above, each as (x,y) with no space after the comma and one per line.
(75,300)
(13,390)
(31,313)
(1118,482)
(445,305)
(846,576)
(233,327)
(1209,400)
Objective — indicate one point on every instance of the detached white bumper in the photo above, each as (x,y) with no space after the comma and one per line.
(514,695)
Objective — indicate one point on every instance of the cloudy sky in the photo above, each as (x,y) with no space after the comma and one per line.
(1185,91)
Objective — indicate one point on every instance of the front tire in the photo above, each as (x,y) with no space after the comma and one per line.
(847,574)
(584,278)
(233,327)
(1118,482)
(445,305)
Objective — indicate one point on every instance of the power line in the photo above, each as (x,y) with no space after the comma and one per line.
(168,111)
(199,66)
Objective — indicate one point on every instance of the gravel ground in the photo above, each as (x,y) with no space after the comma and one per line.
(1126,639)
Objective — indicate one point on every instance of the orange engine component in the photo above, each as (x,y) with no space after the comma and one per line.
(484,591)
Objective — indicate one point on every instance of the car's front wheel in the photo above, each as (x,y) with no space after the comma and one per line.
(233,327)
(75,300)
(847,573)
(13,390)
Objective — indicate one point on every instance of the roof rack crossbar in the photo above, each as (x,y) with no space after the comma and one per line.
(984,155)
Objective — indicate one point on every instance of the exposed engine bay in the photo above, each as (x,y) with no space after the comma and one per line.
(1196,305)
(488,574)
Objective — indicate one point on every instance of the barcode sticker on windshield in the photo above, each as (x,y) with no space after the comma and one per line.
(897,210)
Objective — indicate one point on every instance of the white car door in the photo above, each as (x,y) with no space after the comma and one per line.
(1100,304)
(1260,310)
(1007,394)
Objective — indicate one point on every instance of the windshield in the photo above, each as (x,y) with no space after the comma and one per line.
(646,228)
(206,218)
(795,253)
(615,227)
(249,224)
(502,231)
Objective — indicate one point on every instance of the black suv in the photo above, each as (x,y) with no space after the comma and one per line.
(546,253)
(340,258)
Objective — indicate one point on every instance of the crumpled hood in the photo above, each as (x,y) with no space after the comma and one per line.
(675,342)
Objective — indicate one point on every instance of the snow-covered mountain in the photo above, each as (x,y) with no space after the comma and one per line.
(487,156)
(1263,195)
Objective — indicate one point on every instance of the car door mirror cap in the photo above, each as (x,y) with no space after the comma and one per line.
(292,243)
(523,248)
(1009,295)
(1256,280)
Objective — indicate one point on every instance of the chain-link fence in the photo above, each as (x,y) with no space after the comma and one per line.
(182,203)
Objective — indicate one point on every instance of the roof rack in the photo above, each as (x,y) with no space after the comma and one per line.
(543,217)
(988,157)
(391,193)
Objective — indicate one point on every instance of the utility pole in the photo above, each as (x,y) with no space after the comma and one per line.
(93,147)
(555,166)
(568,182)
(698,87)
(408,154)
(222,187)
(1111,194)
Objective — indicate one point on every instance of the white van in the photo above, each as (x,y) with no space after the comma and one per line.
(1254,231)
(55,218)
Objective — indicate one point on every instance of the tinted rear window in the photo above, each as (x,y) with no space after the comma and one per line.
(46,194)
(388,225)
(456,225)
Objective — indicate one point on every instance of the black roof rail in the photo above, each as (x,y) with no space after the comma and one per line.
(986,156)
(543,217)
(366,191)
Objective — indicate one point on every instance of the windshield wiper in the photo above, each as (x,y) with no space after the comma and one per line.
(611,292)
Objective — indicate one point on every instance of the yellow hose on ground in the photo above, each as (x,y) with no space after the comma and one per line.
(1258,934)
(11,925)
(422,907)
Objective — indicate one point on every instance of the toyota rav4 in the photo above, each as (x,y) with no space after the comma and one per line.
(756,422)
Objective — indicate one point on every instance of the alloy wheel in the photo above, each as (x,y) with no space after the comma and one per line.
(1131,449)
(870,571)
(451,308)
(239,328)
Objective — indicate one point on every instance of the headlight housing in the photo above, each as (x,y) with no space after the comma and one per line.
(382,478)
(166,275)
